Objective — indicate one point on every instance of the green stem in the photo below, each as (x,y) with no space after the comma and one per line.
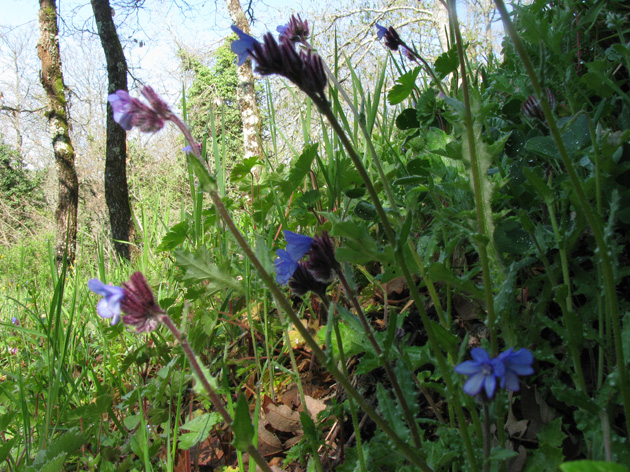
(214,398)
(480,205)
(593,220)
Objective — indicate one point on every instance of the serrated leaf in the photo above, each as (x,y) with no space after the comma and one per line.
(404,86)
(243,168)
(299,169)
(391,411)
(175,236)
(198,266)
(242,426)
(199,428)
(446,63)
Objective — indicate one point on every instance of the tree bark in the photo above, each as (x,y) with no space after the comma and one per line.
(58,123)
(245,92)
(116,188)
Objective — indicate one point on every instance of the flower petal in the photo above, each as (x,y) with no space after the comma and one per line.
(285,266)
(381,31)
(480,355)
(473,385)
(297,245)
(490,383)
(468,368)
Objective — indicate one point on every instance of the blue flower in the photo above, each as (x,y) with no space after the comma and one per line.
(109,306)
(381,31)
(483,372)
(287,262)
(243,46)
(122,105)
(516,363)
(285,266)
(15,321)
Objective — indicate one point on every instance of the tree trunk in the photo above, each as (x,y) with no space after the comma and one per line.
(58,123)
(245,91)
(116,189)
(440,19)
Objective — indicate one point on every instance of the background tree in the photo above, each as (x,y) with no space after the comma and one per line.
(116,189)
(59,126)
(245,91)
(214,88)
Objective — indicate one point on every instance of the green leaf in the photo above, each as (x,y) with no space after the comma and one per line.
(243,168)
(299,169)
(539,184)
(365,211)
(175,236)
(198,266)
(404,87)
(200,428)
(242,426)
(544,146)
(548,456)
(501,454)
(438,271)
(391,411)
(207,183)
(592,466)
(510,237)
(446,63)
(407,119)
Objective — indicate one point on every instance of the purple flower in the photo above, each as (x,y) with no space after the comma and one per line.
(381,31)
(123,107)
(483,372)
(130,112)
(139,304)
(296,30)
(287,261)
(304,69)
(392,40)
(15,321)
(516,363)
(109,306)
(302,281)
(321,259)
(243,46)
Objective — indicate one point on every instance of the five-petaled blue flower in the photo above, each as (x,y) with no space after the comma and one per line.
(243,46)
(516,363)
(381,31)
(123,108)
(483,372)
(287,262)
(109,306)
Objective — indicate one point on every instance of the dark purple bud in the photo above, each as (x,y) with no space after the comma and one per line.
(321,259)
(305,70)
(302,282)
(130,112)
(295,31)
(140,306)
(392,40)
(532,109)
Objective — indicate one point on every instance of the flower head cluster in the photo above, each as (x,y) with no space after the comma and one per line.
(304,69)
(314,274)
(130,112)
(296,30)
(135,298)
(392,40)
(484,372)
(532,109)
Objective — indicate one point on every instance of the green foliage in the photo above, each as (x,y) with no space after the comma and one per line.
(213,91)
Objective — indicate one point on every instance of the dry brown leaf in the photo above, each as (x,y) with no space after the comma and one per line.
(268,442)
(282,418)
(314,406)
